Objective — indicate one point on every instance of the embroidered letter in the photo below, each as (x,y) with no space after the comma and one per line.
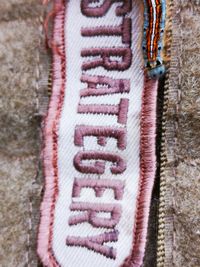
(99,187)
(100,85)
(105,6)
(103,58)
(98,167)
(123,30)
(96,243)
(102,133)
(120,110)
(90,211)
(99,153)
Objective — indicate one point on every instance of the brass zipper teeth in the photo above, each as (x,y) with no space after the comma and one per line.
(161,217)
(163,157)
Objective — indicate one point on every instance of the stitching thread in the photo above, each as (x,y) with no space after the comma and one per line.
(118,166)
(96,243)
(50,135)
(147,173)
(91,211)
(120,110)
(147,166)
(99,187)
(100,11)
(123,30)
(102,85)
(101,133)
(103,58)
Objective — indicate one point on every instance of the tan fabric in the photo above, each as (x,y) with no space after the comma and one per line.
(20,32)
(23,80)
(182,139)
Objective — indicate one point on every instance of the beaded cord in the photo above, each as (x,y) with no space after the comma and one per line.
(154,25)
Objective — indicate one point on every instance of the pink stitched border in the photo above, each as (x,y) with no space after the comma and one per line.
(147,165)
(147,172)
(51,139)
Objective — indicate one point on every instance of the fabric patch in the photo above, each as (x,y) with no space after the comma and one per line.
(99,154)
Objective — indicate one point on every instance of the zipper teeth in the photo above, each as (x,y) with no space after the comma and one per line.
(163,156)
(161,216)
(50,80)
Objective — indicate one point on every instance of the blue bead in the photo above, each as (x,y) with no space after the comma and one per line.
(159,69)
(156,72)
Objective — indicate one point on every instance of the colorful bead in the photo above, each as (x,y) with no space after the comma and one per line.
(154,25)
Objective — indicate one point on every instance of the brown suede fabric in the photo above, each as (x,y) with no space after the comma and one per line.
(20,34)
(23,89)
(182,141)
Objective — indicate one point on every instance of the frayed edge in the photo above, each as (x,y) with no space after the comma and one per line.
(147,148)
(49,40)
(50,135)
(147,172)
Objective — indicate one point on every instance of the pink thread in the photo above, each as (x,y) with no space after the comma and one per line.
(123,30)
(99,187)
(123,111)
(101,85)
(148,159)
(90,211)
(102,133)
(147,173)
(103,9)
(50,42)
(118,167)
(105,60)
(120,110)
(96,243)
(45,232)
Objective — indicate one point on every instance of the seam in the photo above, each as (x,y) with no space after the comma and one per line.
(147,160)
(30,193)
(147,172)
(44,248)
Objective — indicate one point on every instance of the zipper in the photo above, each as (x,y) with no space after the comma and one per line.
(160,255)
(163,156)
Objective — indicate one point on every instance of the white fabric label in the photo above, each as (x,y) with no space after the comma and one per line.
(98,135)
(75,255)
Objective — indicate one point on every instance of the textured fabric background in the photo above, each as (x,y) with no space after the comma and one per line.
(182,139)
(24,70)
(20,37)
